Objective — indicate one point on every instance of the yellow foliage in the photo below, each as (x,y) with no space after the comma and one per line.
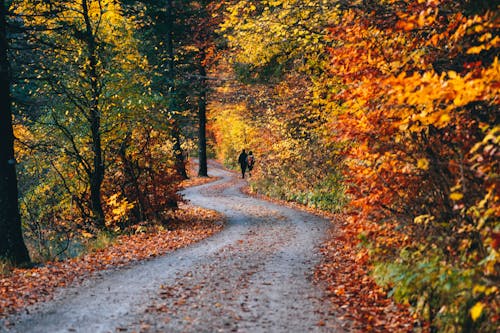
(476,310)
(120,207)
(87,234)
(423,163)
(107,22)
(233,132)
(270,36)
(456,196)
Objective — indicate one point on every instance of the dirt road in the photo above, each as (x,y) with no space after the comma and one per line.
(255,276)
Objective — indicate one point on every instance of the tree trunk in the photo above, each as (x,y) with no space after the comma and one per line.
(12,245)
(97,174)
(180,163)
(202,124)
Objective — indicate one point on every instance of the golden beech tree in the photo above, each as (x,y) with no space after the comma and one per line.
(79,131)
(79,70)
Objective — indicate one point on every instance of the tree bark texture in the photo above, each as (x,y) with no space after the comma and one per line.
(202,124)
(12,245)
(180,162)
(97,174)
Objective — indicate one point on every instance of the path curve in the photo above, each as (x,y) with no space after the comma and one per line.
(254,276)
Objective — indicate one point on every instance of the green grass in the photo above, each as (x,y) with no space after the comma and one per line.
(101,241)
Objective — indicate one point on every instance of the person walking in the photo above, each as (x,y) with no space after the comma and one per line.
(250,162)
(242,160)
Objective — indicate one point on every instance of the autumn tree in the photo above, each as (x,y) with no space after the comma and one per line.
(417,106)
(87,93)
(179,41)
(203,24)
(200,51)
(11,240)
(161,24)
(87,102)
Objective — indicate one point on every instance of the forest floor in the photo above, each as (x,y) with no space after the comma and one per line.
(264,272)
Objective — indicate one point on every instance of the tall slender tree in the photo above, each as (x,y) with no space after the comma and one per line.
(202,19)
(202,123)
(203,23)
(171,88)
(97,174)
(12,245)
(181,43)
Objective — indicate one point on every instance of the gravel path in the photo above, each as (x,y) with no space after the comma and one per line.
(255,276)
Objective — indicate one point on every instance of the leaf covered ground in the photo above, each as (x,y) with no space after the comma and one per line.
(352,291)
(24,287)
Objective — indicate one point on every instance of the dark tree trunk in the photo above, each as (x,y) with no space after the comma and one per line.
(97,174)
(202,124)
(12,245)
(180,162)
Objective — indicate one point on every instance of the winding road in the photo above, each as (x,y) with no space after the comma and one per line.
(254,276)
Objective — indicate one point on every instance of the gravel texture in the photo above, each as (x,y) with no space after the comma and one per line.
(254,276)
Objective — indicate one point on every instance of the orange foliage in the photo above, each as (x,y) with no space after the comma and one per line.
(144,176)
(419,107)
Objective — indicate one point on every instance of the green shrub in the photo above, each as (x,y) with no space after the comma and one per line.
(437,290)
(101,241)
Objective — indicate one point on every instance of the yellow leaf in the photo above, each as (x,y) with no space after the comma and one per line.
(87,234)
(491,290)
(475,49)
(478,289)
(421,19)
(455,196)
(423,163)
(445,118)
(476,310)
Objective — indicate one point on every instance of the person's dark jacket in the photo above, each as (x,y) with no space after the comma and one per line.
(243,159)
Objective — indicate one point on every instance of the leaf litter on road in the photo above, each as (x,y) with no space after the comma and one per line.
(354,297)
(24,287)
